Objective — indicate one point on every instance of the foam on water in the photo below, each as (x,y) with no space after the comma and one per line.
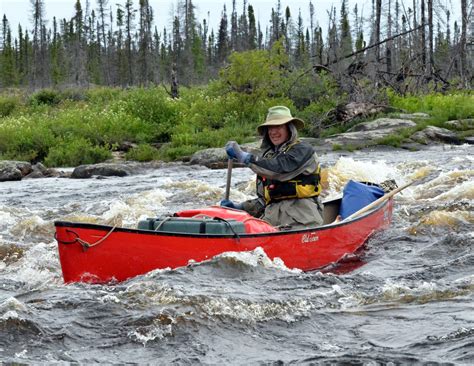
(364,171)
(32,227)
(152,332)
(455,185)
(256,258)
(448,218)
(11,304)
(38,268)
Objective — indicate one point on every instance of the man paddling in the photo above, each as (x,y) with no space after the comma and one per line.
(288,174)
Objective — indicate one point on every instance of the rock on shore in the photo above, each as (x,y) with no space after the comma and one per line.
(11,170)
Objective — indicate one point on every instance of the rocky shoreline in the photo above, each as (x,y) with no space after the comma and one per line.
(360,136)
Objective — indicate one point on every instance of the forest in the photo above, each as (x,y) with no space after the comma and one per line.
(191,87)
(402,45)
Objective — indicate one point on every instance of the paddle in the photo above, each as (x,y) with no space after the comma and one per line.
(378,201)
(229,177)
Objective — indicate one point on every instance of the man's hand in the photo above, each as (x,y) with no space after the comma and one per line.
(235,152)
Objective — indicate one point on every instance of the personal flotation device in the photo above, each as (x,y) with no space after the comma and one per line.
(302,186)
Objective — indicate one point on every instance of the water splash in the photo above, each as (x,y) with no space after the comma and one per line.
(452,185)
(447,218)
(364,171)
(37,269)
(255,258)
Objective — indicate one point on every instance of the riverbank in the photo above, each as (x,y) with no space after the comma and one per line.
(94,126)
(365,135)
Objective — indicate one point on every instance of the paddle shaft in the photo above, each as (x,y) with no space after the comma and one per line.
(229,177)
(378,201)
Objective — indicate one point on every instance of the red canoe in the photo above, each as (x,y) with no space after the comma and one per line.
(100,254)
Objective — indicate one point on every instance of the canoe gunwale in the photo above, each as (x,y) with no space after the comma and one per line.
(107,228)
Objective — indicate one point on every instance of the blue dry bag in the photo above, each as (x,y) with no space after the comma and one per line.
(357,195)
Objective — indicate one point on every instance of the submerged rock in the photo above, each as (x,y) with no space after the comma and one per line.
(113,169)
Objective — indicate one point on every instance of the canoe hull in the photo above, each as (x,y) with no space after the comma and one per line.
(117,254)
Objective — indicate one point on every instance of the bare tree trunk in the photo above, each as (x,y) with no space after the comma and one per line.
(174,82)
(430,37)
(423,36)
(388,52)
(378,13)
(463,42)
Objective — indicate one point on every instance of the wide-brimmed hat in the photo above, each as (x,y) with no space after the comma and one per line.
(279,115)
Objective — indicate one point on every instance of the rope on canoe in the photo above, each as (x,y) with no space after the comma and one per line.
(86,245)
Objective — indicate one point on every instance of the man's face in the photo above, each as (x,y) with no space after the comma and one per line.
(278,134)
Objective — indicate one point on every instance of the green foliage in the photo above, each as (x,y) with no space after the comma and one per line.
(170,153)
(259,73)
(7,105)
(314,114)
(25,138)
(103,95)
(151,106)
(441,107)
(306,88)
(74,127)
(348,147)
(394,140)
(46,96)
(207,120)
(100,126)
(76,152)
(143,152)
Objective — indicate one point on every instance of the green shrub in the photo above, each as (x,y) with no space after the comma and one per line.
(25,137)
(440,107)
(46,96)
(75,95)
(100,126)
(103,96)
(143,152)
(7,105)
(170,153)
(153,107)
(70,153)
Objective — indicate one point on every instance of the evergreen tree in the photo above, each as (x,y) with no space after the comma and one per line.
(58,64)
(345,31)
(78,44)
(252,38)
(144,43)
(243,41)
(300,46)
(38,73)
(129,15)
(223,38)
(233,28)
(7,56)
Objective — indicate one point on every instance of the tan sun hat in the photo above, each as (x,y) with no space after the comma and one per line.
(279,115)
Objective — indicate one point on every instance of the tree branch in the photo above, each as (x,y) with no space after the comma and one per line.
(373,45)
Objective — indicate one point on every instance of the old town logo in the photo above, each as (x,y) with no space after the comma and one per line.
(309,238)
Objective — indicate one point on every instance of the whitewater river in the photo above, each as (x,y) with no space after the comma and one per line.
(409,300)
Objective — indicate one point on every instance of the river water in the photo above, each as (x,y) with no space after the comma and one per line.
(407,300)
